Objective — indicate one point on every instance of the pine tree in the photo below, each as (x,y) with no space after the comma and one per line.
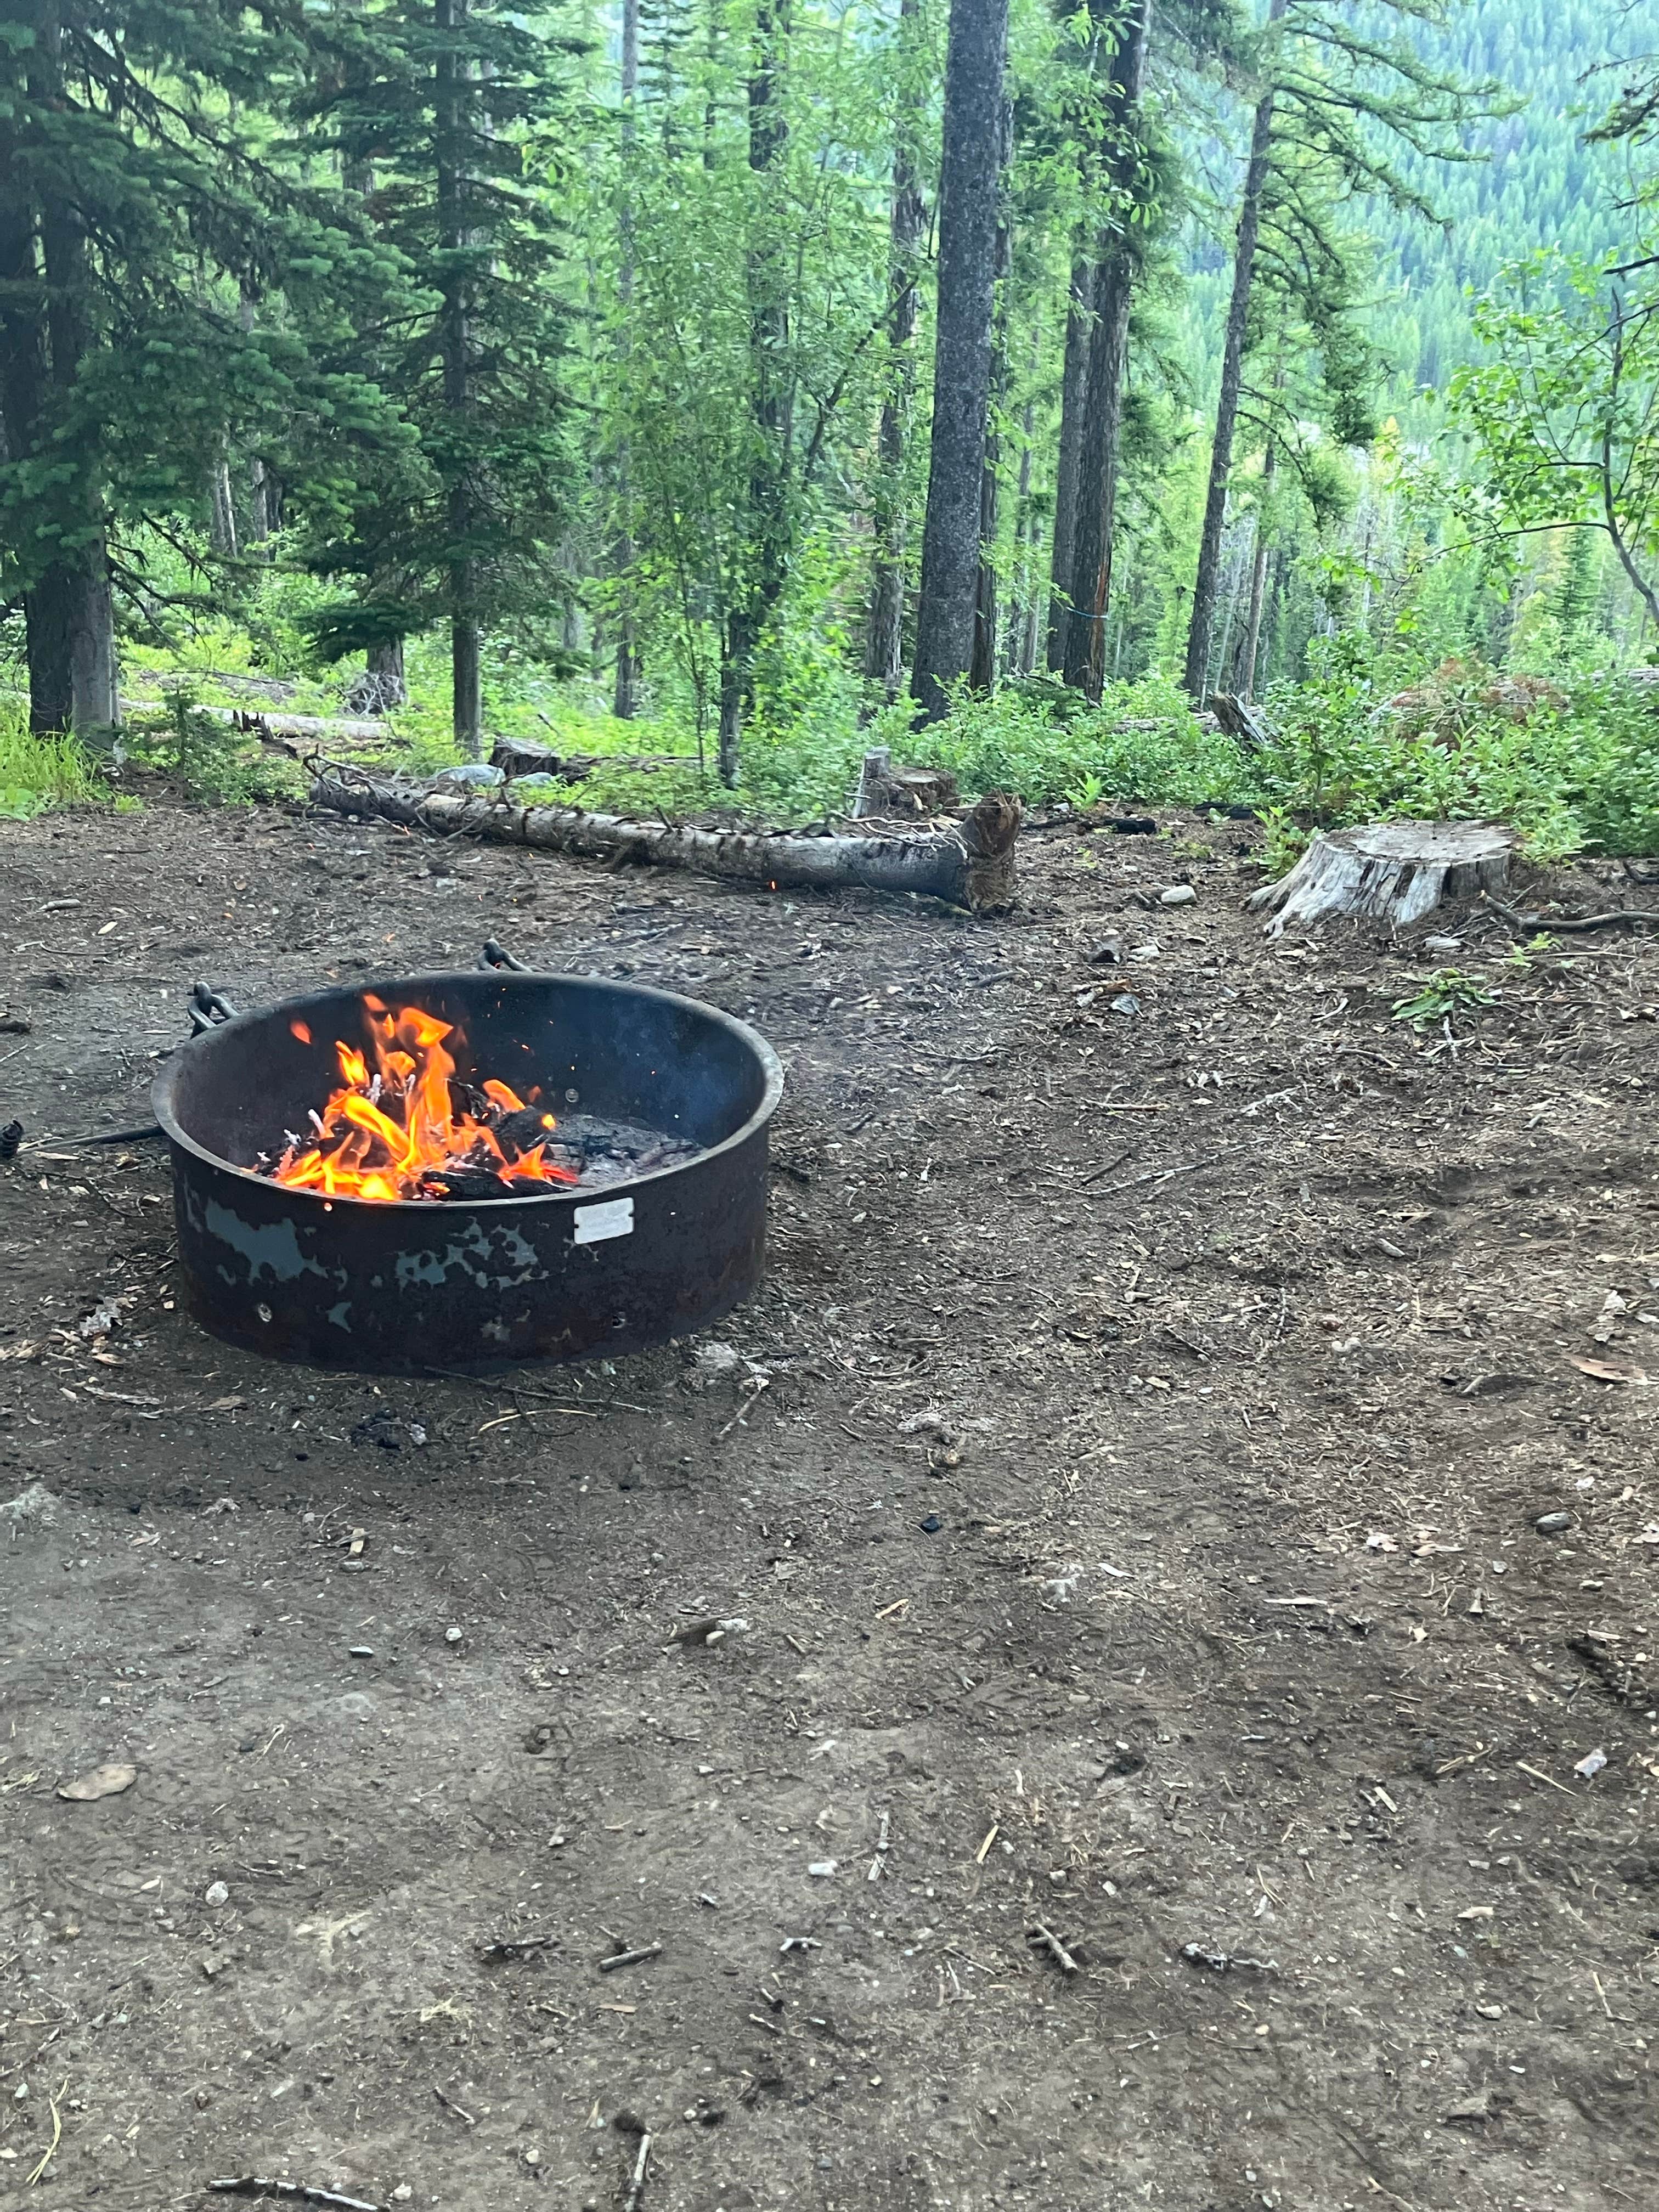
(138,203)
(452,107)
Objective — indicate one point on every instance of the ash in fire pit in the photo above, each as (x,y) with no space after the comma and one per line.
(409,1127)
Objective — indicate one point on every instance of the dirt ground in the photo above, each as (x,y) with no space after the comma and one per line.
(1124,1506)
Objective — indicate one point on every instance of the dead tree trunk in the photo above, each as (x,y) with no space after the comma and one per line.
(1393,872)
(971,866)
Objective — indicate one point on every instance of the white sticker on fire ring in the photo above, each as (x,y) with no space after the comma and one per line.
(615,1218)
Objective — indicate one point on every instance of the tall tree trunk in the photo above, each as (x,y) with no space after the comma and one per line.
(982,667)
(1024,598)
(221,531)
(962,358)
(1124,184)
(454,120)
(1079,321)
(69,607)
(884,635)
(765,568)
(1250,649)
(1202,624)
(734,655)
(624,702)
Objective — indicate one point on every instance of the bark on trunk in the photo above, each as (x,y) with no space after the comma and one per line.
(962,359)
(222,530)
(624,702)
(1090,582)
(1079,321)
(1251,647)
(453,118)
(1021,612)
(983,668)
(766,565)
(884,637)
(68,609)
(466,662)
(1202,624)
(971,866)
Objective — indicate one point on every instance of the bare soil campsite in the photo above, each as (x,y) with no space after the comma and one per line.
(1124,1676)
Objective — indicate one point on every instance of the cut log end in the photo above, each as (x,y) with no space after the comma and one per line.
(1392,873)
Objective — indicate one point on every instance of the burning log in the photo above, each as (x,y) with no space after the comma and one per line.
(970,865)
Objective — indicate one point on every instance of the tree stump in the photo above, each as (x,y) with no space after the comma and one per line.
(1388,872)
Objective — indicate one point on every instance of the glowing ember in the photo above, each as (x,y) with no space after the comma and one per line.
(400,1131)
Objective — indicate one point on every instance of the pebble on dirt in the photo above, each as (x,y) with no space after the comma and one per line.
(1177,895)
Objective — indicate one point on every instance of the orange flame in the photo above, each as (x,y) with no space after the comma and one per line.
(393,1134)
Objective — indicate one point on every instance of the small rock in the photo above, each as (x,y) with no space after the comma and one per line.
(211,1967)
(533,2156)
(34,1507)
(1443,944)
(360,1650)
(402,2193)
(822,1867)
(451,1636)
(216,1894)
(1552,1524)
(102,1782)
(1177,895)
(931,1525)
(1592,1762)
(1125,1003)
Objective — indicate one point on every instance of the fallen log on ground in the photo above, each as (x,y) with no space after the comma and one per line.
(1388,872)
(970,865)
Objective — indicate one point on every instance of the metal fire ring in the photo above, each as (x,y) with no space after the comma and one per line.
(346,1282)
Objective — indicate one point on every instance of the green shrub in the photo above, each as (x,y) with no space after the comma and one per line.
(212,762)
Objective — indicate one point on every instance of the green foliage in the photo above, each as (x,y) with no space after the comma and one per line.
(1582,775)
(37,773)
(1565,412)
(200,752)
(1442,997)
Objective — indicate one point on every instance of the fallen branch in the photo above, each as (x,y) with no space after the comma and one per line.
(1048,1941)
(252,2185)
(1554,922)
(514,1946)
(636,2186)
(630,1958)
(970,866)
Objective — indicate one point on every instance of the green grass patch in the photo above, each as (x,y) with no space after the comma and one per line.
(37,772)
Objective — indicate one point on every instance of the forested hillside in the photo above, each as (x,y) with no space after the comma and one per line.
(782,373)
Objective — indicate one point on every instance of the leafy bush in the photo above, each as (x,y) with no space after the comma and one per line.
(1580,770)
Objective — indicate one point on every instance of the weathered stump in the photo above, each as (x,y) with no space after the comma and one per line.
(1388,872)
